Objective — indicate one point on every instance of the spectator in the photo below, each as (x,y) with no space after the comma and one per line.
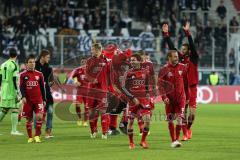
(182,4)
(205,4)
(232,58)
(7,7)
(71,22)
(236,80)
(64,21)
(214,78)
(221,10)
(208,30)
(96,21)
(234,25)
(113,20)
(79,21)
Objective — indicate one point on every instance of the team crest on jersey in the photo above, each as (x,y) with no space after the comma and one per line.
(25,78)
(133,76)
(37,77)
(180,73)
(170,74)
(102,64)
(82,77)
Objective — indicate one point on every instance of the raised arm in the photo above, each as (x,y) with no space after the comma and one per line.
(193,55)
(185,80)
(165,31)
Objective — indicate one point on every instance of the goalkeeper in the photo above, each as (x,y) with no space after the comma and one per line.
(9,72)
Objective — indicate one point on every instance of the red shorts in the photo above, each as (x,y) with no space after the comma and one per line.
(96,104)
(145,108)
(193,96)
(172,110)
(30,107)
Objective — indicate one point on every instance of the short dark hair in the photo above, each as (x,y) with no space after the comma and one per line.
(169,54)
(138,57)
(186,45)
(12,53)
(44,53)
(31,56)
(97,46)
(141,52)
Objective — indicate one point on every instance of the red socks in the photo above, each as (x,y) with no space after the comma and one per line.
(78,111)
(104,122)
(113,122)
(190,121)
(38,128)
(29,129)
(178,130)
(93,123)
(140,124)
(184,129)
(171,131)
(130,135)
(145,133)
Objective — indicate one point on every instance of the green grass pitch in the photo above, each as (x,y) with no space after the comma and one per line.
(216,135)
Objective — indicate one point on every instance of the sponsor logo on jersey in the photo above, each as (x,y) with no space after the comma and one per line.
(138,82)
(37,78)
(97,69)
(32,83)
(180,73)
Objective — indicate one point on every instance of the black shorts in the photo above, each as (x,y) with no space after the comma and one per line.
(115,104)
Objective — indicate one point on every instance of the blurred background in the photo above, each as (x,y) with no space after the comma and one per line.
(68,27)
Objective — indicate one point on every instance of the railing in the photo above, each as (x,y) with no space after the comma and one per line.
(67,50)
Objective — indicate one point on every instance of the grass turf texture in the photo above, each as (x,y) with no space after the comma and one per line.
(215,136)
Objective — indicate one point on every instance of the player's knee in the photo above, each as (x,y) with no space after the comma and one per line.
(15,111)
(130,131)
(29,120)
(170,117)
(146,129)
(39,117)
(192,110)
(5,110)
(147,118)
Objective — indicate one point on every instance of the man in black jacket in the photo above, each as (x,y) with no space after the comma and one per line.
(42,65)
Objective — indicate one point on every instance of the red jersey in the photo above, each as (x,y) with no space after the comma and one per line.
(177,76)
(191,60)
(32,86)
(137,82)
(80,74)
(96,70)
(149,66)
(117,70)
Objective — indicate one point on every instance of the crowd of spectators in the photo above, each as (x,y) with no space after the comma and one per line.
(27,16)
